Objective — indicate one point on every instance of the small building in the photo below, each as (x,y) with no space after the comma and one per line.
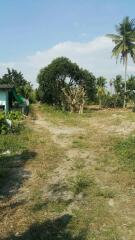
(5,93)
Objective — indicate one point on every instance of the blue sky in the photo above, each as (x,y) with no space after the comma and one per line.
(30,26)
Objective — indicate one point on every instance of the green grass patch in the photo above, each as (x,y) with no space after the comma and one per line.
(125,150)
(15,142)
(80,183)
(14,151)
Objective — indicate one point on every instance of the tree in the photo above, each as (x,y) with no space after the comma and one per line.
(14,78)
(124,44)
(74,98)
(60,74)
(101,82)
(131,83)
(131,88)
(23,87)
(118,85)
(89,85)
(101,94)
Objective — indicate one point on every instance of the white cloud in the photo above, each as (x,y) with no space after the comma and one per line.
(94,55)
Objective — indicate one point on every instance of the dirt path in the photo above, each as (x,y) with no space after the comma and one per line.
(62,136)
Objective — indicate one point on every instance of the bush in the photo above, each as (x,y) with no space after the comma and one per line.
(15,118)
(15,115)
(113,101)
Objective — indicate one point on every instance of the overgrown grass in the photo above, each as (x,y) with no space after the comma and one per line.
(15,142)
(12,148)
(125,150)
(55,115)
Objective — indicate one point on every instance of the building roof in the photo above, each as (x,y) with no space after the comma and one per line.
(6,86)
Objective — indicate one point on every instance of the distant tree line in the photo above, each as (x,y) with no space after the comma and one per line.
(63,82)
(116,95)
(67,86)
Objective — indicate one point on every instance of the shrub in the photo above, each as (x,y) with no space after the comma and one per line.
(15,115)
(15,118)
(113,101)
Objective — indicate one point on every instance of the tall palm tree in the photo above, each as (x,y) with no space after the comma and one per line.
(124,45)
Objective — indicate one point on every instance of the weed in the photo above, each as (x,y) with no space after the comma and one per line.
(80,183)
(106,193)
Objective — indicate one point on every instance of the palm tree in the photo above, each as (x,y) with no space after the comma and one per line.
(124,45)
(101,94)
(101,82)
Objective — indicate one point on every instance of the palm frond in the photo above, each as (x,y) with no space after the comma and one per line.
(117,50)
(124,40)
(114,37)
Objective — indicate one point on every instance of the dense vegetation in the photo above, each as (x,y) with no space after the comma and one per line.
(22,86)
(10,122)
(124,46)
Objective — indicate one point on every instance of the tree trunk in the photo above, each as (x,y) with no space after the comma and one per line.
(125,87)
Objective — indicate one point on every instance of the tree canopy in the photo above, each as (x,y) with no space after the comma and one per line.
(60,74)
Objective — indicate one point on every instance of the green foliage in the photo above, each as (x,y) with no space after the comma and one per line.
(60,74)
(15,118)
(89,85)
(14,115)
(112,101)
(23,87)
(101,82)
(124,40)
(125,150)
(4,128)
(124,45)
(131,83)
(119,85)
(101,95)
(131,90)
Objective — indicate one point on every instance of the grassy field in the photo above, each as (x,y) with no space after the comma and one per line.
(69,177)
